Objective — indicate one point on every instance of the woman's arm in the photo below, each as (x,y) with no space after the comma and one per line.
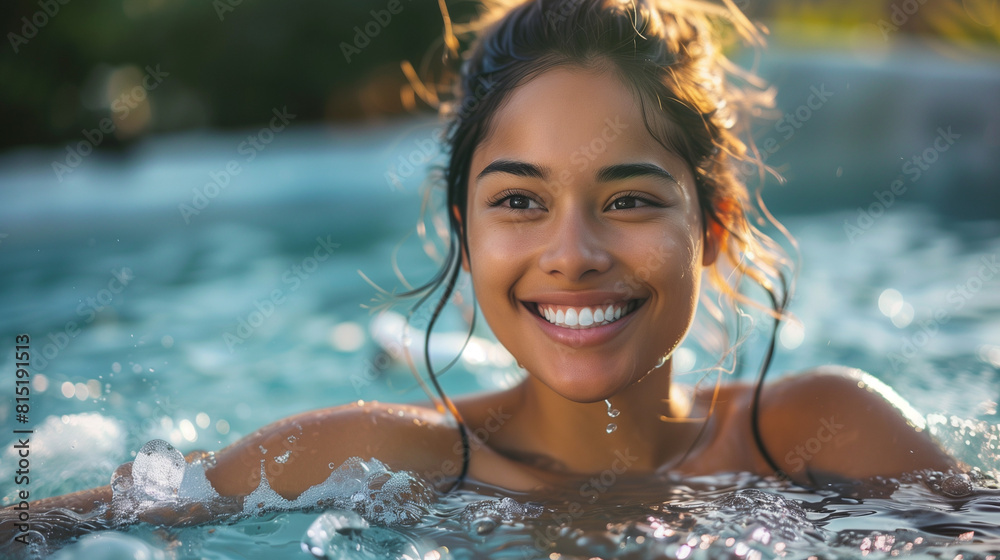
(59,517)
(842,422)
(294,454)
(300,451)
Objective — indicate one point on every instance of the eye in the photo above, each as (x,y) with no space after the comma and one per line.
(513,200)
(629,201)
(518,201)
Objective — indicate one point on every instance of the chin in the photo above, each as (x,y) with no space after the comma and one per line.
(585,387)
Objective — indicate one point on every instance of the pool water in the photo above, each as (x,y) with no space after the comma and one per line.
(732,516)
(148,322)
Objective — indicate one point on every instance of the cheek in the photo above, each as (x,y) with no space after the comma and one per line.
(671,251)
(497,261)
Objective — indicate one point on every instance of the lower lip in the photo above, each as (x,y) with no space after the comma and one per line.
(578,338)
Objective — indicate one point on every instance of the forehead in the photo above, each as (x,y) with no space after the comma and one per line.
(571,117)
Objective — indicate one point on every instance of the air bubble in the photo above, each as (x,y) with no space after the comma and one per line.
(957,486)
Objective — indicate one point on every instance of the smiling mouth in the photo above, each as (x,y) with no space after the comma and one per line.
(570,317)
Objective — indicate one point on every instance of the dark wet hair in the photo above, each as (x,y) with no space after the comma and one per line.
(669,53)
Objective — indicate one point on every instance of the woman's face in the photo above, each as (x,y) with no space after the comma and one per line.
(585,235)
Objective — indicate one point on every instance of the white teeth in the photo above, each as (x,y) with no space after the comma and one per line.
(571,317)
(585,317)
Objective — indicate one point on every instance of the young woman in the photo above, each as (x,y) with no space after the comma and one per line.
(590,186)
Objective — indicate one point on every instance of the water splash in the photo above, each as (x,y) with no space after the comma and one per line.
(159,477)
(369,488)
(158,470)
(484,516)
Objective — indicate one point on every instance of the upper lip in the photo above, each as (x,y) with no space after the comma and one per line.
(580,299)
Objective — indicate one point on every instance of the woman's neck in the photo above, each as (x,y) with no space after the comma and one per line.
(554,433)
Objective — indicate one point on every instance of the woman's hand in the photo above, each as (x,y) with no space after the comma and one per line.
(54,519)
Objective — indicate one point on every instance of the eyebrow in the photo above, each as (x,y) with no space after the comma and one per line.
(621,171)
(616,172)
(516,168)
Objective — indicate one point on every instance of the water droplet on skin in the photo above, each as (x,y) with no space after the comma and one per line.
(612,412)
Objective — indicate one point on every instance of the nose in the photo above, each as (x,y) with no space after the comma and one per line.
(575,246)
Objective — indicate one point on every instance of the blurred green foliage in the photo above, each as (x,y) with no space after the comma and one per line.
(229,63)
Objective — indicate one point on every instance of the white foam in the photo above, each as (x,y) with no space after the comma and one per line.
(159,477)
(77,451)
(368,488)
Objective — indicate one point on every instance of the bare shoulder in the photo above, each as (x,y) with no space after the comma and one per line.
(298,452)
(843,422)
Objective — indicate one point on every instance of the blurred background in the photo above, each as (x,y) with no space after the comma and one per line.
(194,197)
(230,62)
